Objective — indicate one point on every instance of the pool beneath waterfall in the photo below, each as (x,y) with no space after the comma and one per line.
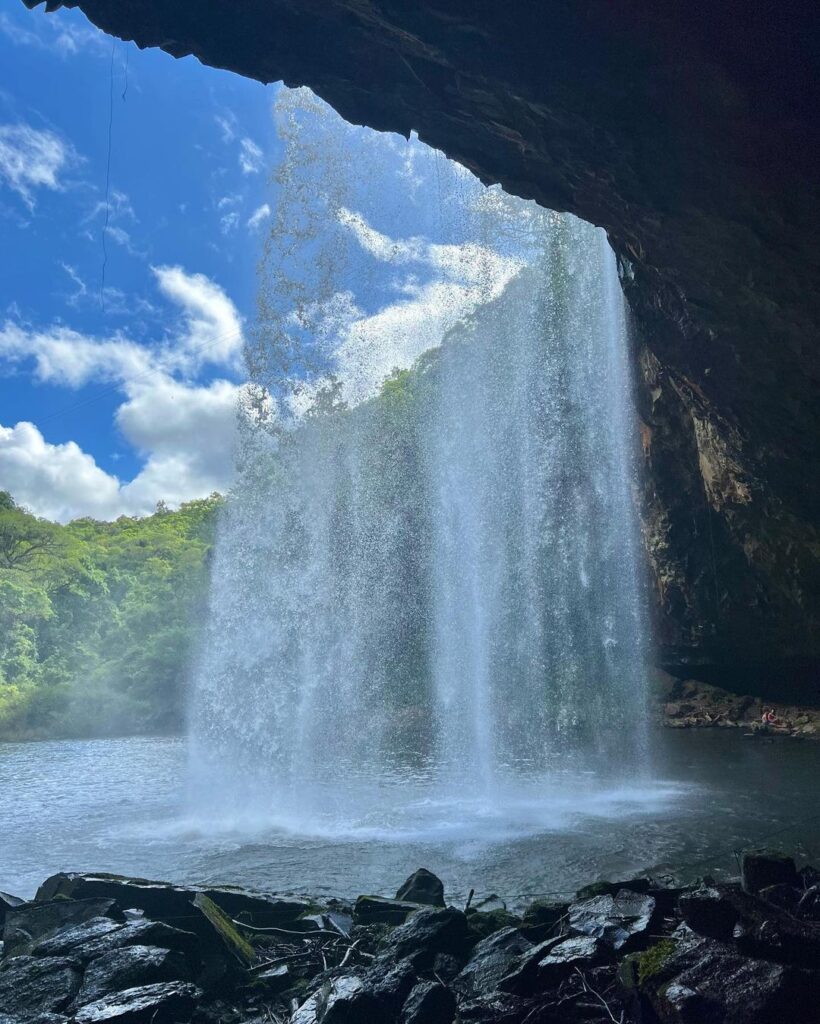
(119,805)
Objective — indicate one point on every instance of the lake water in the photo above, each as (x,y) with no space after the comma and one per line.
(120,805)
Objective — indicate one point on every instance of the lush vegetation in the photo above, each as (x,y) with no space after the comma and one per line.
(98,621)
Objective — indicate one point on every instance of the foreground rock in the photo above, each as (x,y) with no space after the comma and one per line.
(745,953)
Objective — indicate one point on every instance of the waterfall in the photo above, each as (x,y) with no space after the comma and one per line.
(426,586)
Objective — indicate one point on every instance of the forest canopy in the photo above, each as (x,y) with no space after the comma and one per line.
(98,620)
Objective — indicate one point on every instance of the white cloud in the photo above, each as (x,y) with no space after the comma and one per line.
(65,357)
(188,436)
(259,215)
(229,222)
(119,207)
(250,156)
(227,125)
(113,212)
(212,329)
(369,347)
(81,289)
(32,158)
(55,33)
(58,481)
(185,431)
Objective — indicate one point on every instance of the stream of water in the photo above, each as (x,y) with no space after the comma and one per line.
(428,589)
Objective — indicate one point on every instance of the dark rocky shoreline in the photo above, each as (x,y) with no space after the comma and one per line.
(95,948)
(691,704)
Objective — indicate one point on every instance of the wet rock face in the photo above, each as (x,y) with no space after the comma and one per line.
(492,959)
(30,986)
(131,967)
(760,870)
(690,133)
(31,923)
(619,920)
(422,887)
(171,1003)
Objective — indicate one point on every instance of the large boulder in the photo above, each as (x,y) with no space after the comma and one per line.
(709,912)
(342,1000)
(391,985)
(99,936)
(88,941)
(430,1002)
(621,920)
(8,902)
(709,981)
(422,887)
(30,986)
(603,887)
(543,919)
(30,923)
(760,870)
(486,922)
(379,910)
(164,902)
(131,967)
(170,1003)
(428,932)
(548,964)
(71,941)
(491,960)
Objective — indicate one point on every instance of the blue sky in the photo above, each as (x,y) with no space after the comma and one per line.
(120,345)
(190,152)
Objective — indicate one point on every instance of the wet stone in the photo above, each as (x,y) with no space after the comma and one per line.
(543,919)
(171,1003)
(712,982)
(338,1001)
(491,960)
(148,933)
(378,910)
(422,887)
(8,902)
(550,962)
(31,986)
(566,955)
(484,923)
(621,920)
(708,912)
(69,941)
(131,967)
(275,979)
(30,923)
(428,932)
(430,1002)
(162,901)
(390,986)
(760,870)
(446,966)
(604,888)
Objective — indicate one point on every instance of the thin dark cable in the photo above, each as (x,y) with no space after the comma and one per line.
(107,175)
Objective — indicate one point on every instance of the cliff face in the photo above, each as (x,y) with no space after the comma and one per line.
(691,135)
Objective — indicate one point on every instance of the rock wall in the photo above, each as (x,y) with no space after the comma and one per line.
(690,133)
